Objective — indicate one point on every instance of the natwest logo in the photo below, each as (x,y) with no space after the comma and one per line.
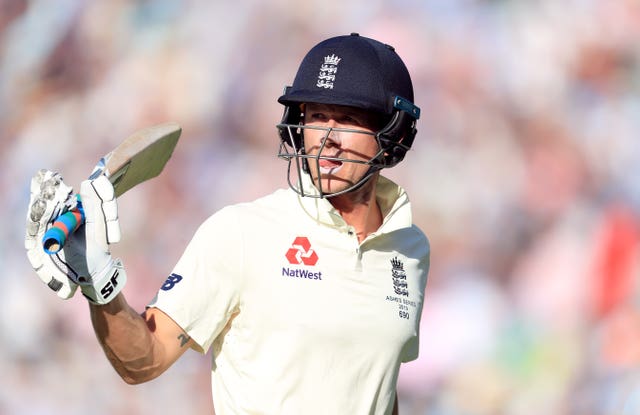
(301,252)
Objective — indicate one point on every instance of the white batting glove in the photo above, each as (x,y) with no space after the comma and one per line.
(50,197)
(104,277)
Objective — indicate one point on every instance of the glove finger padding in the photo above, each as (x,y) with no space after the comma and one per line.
(50,197)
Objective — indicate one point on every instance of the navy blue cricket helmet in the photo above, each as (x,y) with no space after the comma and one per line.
(354,71)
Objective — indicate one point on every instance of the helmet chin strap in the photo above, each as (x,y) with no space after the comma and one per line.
(354,187)
(318,192)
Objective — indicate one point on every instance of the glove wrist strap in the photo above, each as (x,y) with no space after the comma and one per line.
(107,284)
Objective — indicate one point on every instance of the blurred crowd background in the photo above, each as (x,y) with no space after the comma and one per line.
(525,175)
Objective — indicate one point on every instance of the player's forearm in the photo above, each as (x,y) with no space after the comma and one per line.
(127,340)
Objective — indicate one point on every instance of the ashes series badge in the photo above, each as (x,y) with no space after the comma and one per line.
(401,289)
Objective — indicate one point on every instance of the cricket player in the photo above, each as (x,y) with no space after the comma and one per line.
(310,297)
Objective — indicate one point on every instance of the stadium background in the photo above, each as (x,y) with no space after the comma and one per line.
(525,175)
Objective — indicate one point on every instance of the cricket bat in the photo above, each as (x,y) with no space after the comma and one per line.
(140,157)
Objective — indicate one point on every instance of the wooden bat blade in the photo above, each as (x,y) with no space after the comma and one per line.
(141,156)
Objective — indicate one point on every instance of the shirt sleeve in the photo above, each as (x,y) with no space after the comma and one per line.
(203,291)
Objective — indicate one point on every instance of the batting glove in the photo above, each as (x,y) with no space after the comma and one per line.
(106,276)
(50,197)
(85,259)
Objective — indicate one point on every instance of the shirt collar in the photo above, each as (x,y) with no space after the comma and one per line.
(392,199)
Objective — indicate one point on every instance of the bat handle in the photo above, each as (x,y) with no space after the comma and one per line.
(66,224)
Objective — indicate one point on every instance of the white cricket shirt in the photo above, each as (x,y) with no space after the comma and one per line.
(301,317)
